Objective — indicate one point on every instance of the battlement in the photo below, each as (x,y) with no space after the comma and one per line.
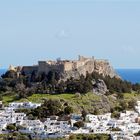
(83,58)
(101,60)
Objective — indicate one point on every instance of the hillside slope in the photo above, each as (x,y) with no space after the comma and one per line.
(89,102)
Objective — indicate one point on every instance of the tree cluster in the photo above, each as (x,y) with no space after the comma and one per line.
(51,83)
(50,108)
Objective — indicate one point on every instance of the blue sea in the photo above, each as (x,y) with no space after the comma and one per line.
(132,75)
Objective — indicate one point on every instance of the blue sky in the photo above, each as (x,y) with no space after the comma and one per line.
(32,30)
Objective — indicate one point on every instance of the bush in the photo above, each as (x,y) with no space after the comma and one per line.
(68,110)
(79,124)
(11,127)
(131,104)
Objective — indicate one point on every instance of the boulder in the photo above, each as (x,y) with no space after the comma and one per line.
(100,87)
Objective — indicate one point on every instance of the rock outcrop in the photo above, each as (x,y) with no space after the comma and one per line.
(104,67)
(100,87)
(90,65)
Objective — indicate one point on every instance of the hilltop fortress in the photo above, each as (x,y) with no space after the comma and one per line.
(71,68)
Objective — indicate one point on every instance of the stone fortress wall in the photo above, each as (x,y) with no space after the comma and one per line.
(67,65)
(73,68)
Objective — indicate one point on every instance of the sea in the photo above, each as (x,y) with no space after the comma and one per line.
(132,75)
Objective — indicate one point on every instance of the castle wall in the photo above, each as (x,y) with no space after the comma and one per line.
(29,69)
(88,66)
(82,58)
(57,67)
(68,66)
(46,67)
(79,64)
(74,68)
(43,67)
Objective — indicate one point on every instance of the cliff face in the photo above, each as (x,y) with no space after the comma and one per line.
(104,67)
(99,66)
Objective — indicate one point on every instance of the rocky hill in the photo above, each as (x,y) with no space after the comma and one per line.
(102,67)
(71,68)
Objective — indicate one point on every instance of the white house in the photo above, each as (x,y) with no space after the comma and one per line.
(52,125)
(19,105)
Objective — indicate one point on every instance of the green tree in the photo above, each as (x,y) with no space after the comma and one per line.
(10,74)
(96,111)
(120,96)
(84,113)
(79,124)
(1,98)
(132,103)
(123,105)
(68,110)
(11,127)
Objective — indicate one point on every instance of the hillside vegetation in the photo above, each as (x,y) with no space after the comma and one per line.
(51,83)
(18,136)
(90,102)
(75,94)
